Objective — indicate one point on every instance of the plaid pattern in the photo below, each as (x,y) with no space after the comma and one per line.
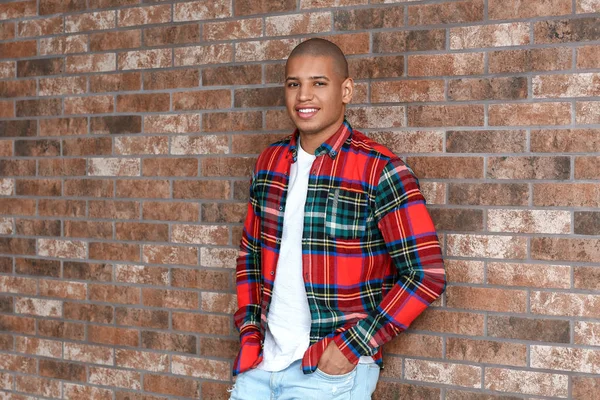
(371,258)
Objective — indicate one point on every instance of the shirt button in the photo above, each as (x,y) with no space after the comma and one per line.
(272,272)
(333,153)
(280,208)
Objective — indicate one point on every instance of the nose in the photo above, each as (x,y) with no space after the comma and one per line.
(305,93)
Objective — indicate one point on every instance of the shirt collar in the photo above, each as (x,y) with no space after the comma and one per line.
(331,146)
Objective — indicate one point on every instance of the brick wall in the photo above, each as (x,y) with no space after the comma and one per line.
(128,132)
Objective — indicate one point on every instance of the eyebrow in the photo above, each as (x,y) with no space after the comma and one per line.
(314,78)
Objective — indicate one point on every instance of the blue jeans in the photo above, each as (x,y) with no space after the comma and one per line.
(292,384)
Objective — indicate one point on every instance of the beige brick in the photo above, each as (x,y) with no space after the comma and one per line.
(529,221)
(568,304)
(91,63)
(517,9)
(472,37)
(377,116)
(298,24)
(218,257)
(39,347)
(81,392)
(203,55)
(263,50)
(90,21)
(200,234)
(200,368)
(201,10)
(38,307)
(588,6)
(587,333)
(205,144)
(236,29)
(157,254)
(141,360)
(114,167)
(144,15)
(488,246)
(526,382)
(573,85)
(89,353)
(565,359)
(587,112)
(144,59)
(62,248)
(530,275)
(115,378)
(444,373)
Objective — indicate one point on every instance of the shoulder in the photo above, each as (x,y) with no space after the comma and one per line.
(273,151)
(382,155)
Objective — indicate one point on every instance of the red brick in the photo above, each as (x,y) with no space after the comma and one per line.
(127,81)
(40,27)
(201,100)
(238,166)
(488,89)
(114,251)
(90,21)
(529,168)
(38,386)
(142,274)
(86,146)
(143,360)
(172,211)
(113,336)
(90,63)
(252,143)
(488,246)
(566,194)
(201,323)
(588,57)
(447,167)
(169,342)
(156,319)
(143,102)
(205,144)
(61,6)
(61,86)
(566,30)
(17,363)
(200,279)
(18,49)
(414,40)
(586,388)
(455,115)
(144,15)
(201,55)
(62,289)
(80,392)
(549,59)
(517,9)
(61,329)
(200,367)
(486,351)
(530,114)
(407,91)
(62,370)
(37,148)
(114,209)
(170,385)
(532,329)
(170,167)
(89,353)
(89,105)
(71,208)
(172,123)
(171,299)
(419,345)
(259,97)
(249,7)
(262,50)
(14,324)
(63,126)
(115,378)
(587,167)
(37,227)
(142,145)
(446,13)
(7,109)
(179,34)
(444,373)
(42,107)
(14,10)
(181,78)
(236,29)
(162,254)
(116,40)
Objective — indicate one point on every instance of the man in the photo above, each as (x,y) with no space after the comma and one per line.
(338,254)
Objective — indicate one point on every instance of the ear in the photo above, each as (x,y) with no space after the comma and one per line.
(347,90)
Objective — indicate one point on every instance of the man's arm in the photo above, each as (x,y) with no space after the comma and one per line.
(413,245)
(248,286)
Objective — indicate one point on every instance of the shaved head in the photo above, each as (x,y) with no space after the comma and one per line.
(317,47)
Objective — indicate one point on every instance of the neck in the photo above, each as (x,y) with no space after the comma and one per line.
(312,141)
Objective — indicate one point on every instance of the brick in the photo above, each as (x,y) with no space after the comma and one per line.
(444,373)
(115,378)
(236,29)
(61,329)
(530,114)
(171,299)
(183,78)
(585,387)
(200,234)
(169,342)
(377,116)
(114,167)
(114,294)
(88,312)
(584,250)
(413,345)
(18,128)
(481,36)
(203,55)
(7,109)
(447,167)
(567,304)
(567,195)
(142,188)
(40,27)
(89,353)
(587,167)
(200,279)
(454,115)
(63,45)
(21,88)
(171,385)
(549,59)
(38,187)
(446,13)
(407,91)
(38,307)
(501,141)
(486,351)
(532,329)
(39,347)
(61,127)
(517,9)
(142,274)
(60,6)
(91,63)
(144,15)
(464,271)
(136,396)
(92,4)
(573,85)
(18,49)
(534,383)
(172,123)
(395,390)
(201,10)
(89,105)
(252,143)
(62,370)
(200,367)
(61,248)
(530,275)
(14,324)
(37,227)
(172,211)
(180,34)
(71,208)
(201,100)
(143,102)
(368,18)
(457,219)
(158,254)
(275,73)
(354,43)
(201,323)
(279,120)
(114,251)
(587,223)
(62,86)
(215,347)
(170,167)
(16,363)
(17,168)
(461,323)
(566,30)
(565,359)
(219,302)
(263,50)
(90,21)
(116,40)
(588,57)
(7,31)
(116,124)
(41,107)
(127,81)
(156,319)
(114,209)
(62,289)
(586,112)
(513,88)
(218,258)
(19,9)
(37,148)
(143,360)
(87,146)
(500,300)
(529,168)
(488,246)
(144,59)
(81,392)
(37,386)
(329,3)
(376,67)
(214,390)
(230,166)
(587,6)
(7,69)
(297,24)
(249,7)
(586,333)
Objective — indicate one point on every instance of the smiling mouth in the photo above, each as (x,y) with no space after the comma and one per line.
(306,112)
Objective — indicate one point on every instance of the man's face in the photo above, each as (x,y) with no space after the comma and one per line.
(316,94)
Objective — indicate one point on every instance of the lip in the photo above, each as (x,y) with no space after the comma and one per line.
(306,115)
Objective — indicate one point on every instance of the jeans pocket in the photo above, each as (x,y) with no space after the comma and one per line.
(335,386)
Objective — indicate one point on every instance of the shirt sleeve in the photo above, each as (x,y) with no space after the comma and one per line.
(413,246)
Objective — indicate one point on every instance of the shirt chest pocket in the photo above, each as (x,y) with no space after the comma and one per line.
(346,214)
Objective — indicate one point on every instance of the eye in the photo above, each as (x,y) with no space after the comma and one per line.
(292,84)
(320,83)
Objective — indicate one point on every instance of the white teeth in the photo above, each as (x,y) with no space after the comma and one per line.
(307,110)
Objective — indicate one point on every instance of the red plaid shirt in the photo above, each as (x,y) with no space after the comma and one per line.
(371,259)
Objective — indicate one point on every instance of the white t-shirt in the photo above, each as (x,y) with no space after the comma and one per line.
(287,336)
